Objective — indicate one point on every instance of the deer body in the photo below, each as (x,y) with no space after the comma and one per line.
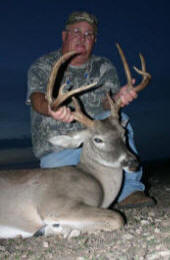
(67,200)
(71,200)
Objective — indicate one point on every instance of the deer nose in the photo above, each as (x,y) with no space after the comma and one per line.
(132,164)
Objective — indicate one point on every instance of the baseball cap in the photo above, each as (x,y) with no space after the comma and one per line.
(81,16)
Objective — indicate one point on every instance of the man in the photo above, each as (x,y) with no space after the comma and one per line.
(80,35)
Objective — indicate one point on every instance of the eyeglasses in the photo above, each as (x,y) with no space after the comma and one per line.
(77,33)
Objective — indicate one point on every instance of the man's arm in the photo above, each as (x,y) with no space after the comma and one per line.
(40,105)
(37,82)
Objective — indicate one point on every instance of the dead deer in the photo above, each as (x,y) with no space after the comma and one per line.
(71,200)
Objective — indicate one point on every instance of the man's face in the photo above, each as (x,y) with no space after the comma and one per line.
(81,38)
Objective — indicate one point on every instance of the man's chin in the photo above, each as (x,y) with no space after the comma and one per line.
(80,55)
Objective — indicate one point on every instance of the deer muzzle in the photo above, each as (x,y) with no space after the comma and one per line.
(131,163)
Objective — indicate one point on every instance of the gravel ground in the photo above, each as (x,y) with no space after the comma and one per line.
(146,234)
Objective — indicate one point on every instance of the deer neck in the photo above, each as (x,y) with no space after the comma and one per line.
(109,178)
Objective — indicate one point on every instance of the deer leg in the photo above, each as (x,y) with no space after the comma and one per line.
(81,219)
(24,222)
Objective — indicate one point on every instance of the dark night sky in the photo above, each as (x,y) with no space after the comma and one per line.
(30,29)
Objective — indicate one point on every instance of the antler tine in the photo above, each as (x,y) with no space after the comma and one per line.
(63,96)
(80,117)
(53,75)
(125,65)
(54,103)
(114,106)
(146,76)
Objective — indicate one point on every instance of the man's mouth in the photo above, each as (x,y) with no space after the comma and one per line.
(80,48)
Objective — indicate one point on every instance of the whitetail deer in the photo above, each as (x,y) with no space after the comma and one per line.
(71,200)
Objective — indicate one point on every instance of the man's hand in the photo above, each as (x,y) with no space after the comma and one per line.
(126,95)
(63,114)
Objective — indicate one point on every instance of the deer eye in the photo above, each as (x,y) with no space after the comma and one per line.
(98,140)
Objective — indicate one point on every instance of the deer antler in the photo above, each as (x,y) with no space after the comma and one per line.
(54,103)
(145,75)
(80,116)
(114,106)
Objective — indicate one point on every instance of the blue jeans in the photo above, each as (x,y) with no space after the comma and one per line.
(67,157)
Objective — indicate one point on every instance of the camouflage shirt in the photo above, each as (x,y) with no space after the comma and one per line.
(97,69)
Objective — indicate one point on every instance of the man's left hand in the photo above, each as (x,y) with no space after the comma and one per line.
(126,95)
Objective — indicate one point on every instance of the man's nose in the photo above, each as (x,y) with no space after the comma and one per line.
(82,36)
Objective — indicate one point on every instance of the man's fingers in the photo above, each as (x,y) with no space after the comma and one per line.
(67,116)
(64,114)
(133,81)
(133,93)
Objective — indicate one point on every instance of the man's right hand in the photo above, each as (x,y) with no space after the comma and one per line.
(63,114)
(40,104)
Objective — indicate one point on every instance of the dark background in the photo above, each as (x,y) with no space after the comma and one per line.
(30,29)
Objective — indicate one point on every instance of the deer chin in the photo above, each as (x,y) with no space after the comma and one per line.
(123,163)
(111,164)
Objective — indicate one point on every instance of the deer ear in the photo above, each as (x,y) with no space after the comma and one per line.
(72,140)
